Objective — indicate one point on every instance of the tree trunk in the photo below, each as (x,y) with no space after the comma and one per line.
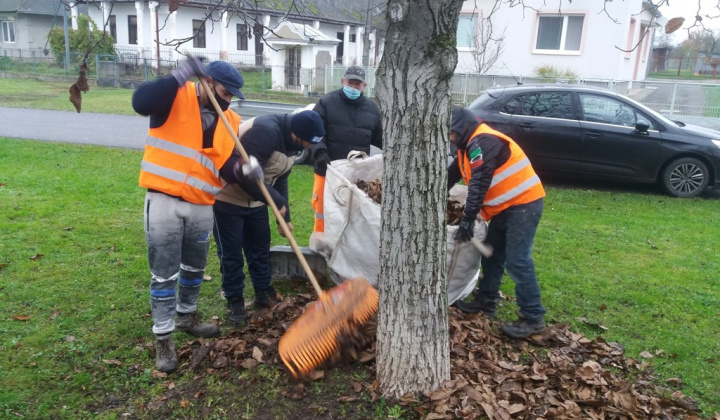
(413,354)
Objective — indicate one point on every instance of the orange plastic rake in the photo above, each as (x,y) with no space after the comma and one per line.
(313,337)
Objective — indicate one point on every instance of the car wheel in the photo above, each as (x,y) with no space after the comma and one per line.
(685,177)
(303,157)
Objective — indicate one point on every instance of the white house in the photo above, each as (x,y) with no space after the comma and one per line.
(591,38)
(330,32)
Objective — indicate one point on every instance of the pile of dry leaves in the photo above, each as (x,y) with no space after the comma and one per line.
(559,374)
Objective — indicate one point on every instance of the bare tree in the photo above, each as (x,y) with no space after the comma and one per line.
(708,43)
(412,87)
(490,41)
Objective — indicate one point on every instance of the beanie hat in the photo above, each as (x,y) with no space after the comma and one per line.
(308,126)
(227,75)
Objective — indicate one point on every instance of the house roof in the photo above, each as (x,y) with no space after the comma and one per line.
(31,7)
(299,32)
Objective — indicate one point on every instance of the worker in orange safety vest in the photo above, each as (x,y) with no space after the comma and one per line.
(187,151)
(505,190)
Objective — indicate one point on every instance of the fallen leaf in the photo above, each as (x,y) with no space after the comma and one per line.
(157,374)
(206,277)
(21,317)
(3,265)
(357,386)
(184,403)
(54,314)
(70,338)
(257,354)
(37,257)
(69,228)
(646,355)
(112,362)
(347,398)
(315,375)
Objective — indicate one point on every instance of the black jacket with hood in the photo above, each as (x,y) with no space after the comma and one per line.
(494,151)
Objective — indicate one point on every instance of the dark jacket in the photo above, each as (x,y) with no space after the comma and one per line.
(493,152)
(349,125)
(269,134)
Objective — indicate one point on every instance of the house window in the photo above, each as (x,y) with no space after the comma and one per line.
(113,27)
(198,33)
(8,31)
(132,30)
(559,32)
(242,37)
(467,31)
(352,37)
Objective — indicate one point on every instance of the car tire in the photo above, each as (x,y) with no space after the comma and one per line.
(685,177)
(303,157)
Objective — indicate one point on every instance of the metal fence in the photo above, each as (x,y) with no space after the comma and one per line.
(128,69)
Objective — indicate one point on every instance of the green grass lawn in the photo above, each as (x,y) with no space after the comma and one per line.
(74,283)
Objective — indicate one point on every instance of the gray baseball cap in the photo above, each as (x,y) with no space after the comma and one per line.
(356,73)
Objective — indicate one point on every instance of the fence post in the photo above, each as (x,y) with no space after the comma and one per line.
(145,69)
(263,79)
(34,63)
(465,90)
(672,100)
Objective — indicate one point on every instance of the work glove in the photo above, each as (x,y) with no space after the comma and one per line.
(322,159)
(251,169)
(192,66)
(465,229)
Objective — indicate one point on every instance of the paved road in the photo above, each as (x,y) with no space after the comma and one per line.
(99,129)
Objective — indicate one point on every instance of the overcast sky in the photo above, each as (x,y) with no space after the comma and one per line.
(687,9)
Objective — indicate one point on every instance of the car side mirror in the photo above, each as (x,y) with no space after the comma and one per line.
(642,126)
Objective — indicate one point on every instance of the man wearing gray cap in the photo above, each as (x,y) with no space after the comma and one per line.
(352,122)
(186,153)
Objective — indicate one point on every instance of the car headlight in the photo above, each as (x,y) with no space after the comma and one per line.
(716,142)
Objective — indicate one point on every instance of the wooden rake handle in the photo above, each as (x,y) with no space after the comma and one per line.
(264,190)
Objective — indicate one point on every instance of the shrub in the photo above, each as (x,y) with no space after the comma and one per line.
(87,39)
(551,73)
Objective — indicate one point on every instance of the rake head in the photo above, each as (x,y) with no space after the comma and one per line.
(313,337)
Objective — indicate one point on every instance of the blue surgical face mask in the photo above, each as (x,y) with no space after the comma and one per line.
(351,93)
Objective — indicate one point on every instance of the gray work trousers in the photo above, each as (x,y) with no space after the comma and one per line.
(178,237)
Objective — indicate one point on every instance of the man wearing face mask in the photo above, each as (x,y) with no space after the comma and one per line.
(186,153)
(352,122)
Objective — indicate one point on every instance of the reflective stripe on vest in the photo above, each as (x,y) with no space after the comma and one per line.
(515,182)
(179,177)
(183,151)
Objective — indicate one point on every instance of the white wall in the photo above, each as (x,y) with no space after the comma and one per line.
(598,56)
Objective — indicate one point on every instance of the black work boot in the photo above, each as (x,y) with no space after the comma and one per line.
(191,324)
(490,310)
(522,328)
(165,355)
(236,311)
(268,299)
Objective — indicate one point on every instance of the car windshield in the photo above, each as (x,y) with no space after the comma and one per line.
(652,112)
(481,101)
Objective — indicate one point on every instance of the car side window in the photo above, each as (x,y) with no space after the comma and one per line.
(546,104)
(606,110)
(511,107)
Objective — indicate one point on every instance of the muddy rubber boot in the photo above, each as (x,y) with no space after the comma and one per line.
(522,328)
(490,310)
(267,299)
(165,355)
(236,311)
(191,324)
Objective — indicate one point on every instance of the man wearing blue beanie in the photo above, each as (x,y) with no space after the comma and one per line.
(241,215)
(186,154)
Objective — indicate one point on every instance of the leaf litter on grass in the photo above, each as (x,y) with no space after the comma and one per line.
(558,374)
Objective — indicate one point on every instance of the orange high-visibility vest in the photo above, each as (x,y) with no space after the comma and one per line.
(515,182)
(175,161)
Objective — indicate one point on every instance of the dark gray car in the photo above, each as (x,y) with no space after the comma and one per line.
(582,130)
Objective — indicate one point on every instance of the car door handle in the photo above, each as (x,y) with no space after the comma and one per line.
(526,125)
(593,134)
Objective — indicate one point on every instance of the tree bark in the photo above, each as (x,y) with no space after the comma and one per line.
(413,354)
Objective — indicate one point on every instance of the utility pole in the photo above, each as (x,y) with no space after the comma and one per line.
(366,37)
(67,39)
